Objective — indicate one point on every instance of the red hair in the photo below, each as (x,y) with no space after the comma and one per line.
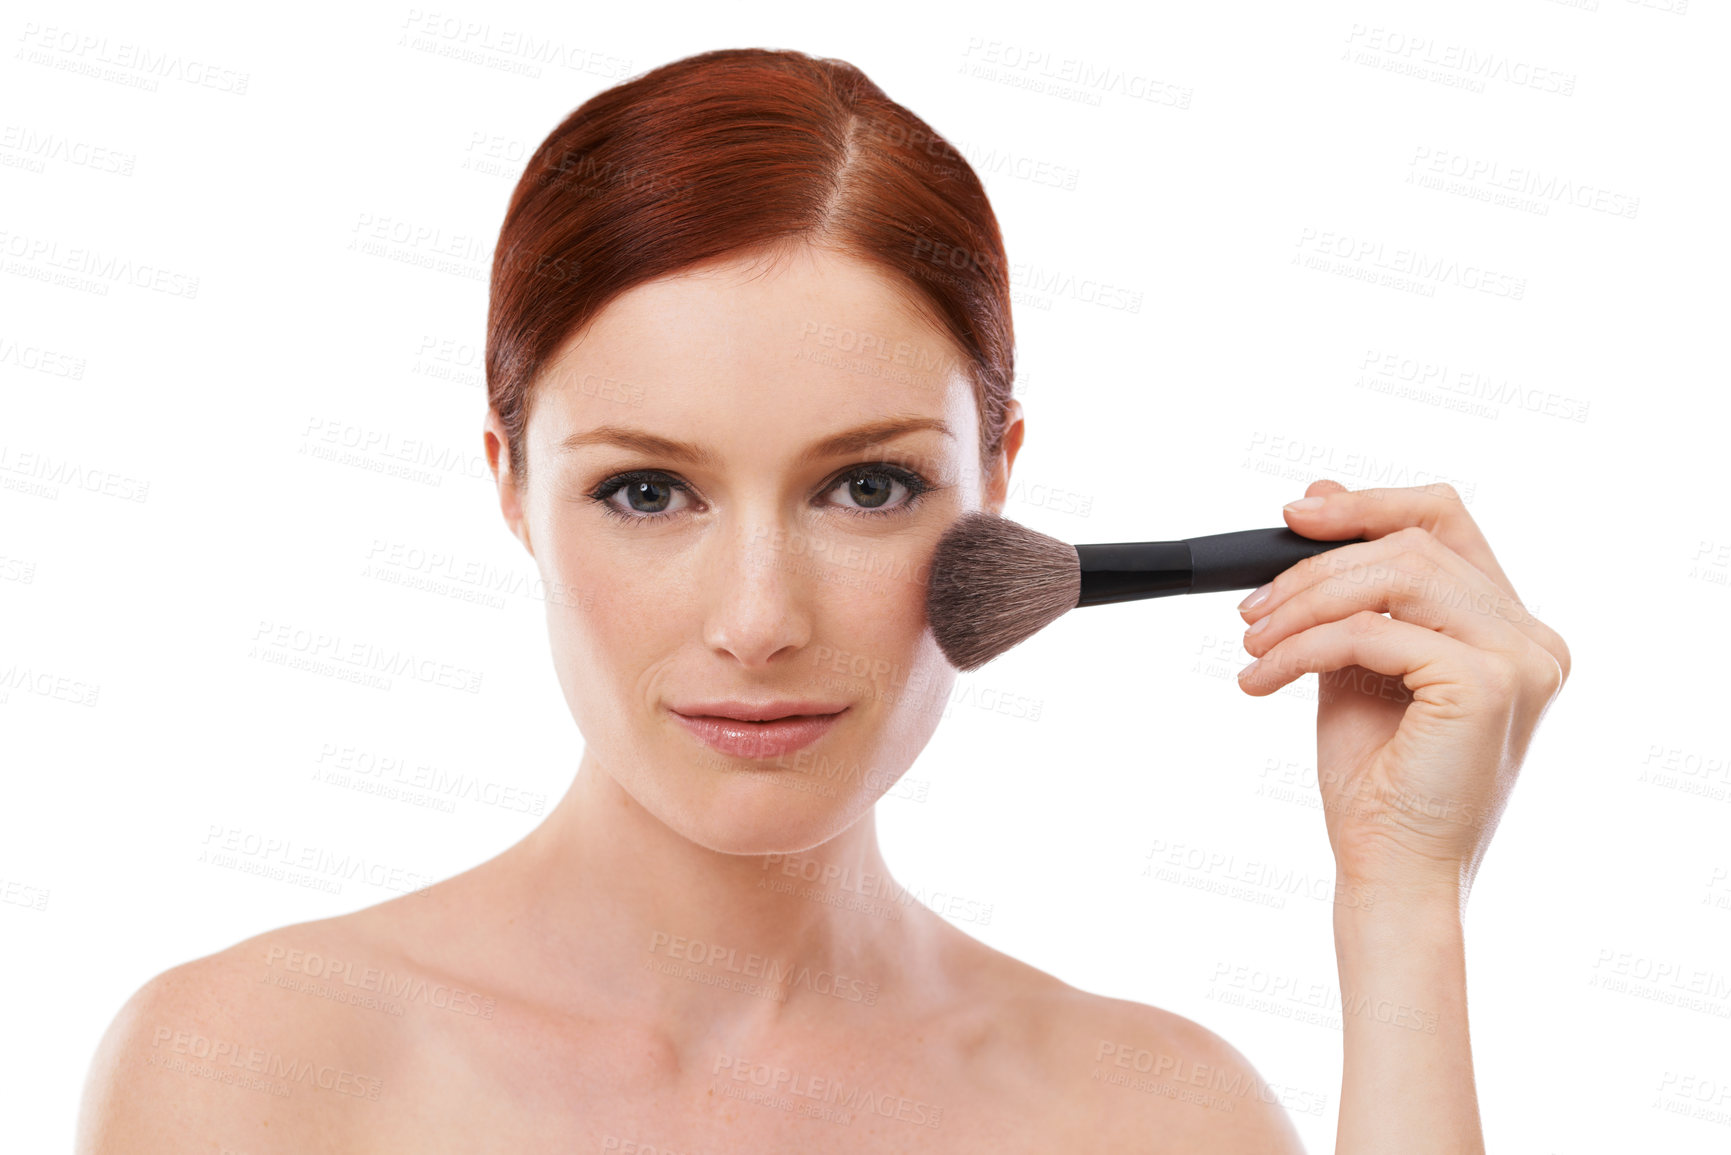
(726,152)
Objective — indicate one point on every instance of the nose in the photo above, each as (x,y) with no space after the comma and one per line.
(759,596)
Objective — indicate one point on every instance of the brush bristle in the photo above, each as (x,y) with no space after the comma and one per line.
(994,584)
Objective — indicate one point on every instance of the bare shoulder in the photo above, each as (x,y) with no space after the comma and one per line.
(1124,1076)
(1162,1075)
(234,1051)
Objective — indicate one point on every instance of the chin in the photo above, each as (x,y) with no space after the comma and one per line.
(769,811)
(732,804)
(745,806)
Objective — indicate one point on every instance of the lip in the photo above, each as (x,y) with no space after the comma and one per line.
(795,725)
(758,711)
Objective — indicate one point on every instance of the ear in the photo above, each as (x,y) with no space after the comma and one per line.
(999,487)
(497,445)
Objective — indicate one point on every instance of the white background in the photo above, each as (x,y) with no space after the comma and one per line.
(157,510)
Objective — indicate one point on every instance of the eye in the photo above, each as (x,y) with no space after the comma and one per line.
(871,487)
(649,494)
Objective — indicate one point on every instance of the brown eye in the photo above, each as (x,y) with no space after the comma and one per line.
(869,490)
(648,494)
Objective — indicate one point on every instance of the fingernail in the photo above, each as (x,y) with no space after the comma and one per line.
(1258,627)
(1303,504)
(1248,668)
(1255,598)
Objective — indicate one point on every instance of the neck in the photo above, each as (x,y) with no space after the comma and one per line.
(698,938)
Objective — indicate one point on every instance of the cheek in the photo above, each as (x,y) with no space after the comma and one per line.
(607,592)
(598,619)
(871,642)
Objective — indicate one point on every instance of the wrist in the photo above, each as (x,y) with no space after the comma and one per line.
(1410,890)
(1401,926)
(1399,930)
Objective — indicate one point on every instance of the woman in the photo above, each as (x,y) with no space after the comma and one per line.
(749,355)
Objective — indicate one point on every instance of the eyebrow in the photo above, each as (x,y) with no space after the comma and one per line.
(850,441)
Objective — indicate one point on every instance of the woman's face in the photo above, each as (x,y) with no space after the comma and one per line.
(736,479)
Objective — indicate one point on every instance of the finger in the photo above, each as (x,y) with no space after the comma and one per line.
(1419,657)
(1407,575)
(1414,548)
(1372,513)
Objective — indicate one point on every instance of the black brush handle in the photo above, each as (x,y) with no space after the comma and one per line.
(1245,559)
(1242,560)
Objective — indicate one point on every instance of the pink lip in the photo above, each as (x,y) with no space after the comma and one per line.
(758,711)
(759,739)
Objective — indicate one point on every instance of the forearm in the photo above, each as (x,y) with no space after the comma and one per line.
(1407,1084)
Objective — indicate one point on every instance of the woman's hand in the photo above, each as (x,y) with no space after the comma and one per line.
(1423,716)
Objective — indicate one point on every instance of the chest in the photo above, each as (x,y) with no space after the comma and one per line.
(623,1091)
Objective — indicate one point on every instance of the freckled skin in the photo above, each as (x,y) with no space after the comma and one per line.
(606,1026)
(740,600)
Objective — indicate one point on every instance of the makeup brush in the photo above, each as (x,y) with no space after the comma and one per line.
(995,583)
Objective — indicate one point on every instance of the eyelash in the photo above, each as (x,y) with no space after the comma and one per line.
(917,487)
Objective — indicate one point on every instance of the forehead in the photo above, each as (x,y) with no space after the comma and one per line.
(748,353)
